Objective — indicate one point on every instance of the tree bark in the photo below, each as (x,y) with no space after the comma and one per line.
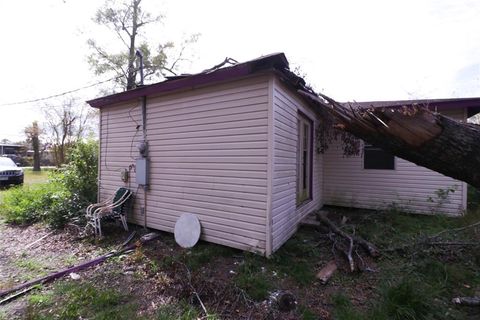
(36,152)
(412,133)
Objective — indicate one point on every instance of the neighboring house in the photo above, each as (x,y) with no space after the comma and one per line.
(236,147)
(9,149)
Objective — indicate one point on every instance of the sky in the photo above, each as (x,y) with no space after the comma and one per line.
(351,50)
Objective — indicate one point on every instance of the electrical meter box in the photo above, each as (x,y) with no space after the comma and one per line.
(141,171)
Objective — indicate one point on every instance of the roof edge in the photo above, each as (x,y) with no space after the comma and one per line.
(275,61)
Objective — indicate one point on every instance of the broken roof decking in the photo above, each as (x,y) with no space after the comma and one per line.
(276,61)
(471,104)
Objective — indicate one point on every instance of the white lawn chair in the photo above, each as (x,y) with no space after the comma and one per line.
(114,207)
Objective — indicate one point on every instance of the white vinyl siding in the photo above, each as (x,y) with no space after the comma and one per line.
(208,150)
(286,216)
(408,187)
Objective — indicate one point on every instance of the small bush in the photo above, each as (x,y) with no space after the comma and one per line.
(27,204)
(63,198)
(80,174)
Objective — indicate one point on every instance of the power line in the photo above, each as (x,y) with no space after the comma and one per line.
(60,94)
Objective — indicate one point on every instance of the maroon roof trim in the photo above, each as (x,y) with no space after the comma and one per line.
(277,61)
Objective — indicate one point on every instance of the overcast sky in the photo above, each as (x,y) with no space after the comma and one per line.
(350,50)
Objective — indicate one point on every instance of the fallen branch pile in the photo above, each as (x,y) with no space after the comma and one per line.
(347,244)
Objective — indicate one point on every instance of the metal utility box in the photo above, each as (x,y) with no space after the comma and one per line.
(141,171)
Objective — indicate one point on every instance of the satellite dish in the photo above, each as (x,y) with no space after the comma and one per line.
(187,230)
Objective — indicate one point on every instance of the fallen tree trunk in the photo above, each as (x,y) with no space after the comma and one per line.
(413,133)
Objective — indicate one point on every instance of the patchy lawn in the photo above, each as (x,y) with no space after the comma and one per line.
(162,281)
(31,177)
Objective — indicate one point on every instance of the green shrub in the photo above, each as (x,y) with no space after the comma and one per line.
(63,198)
(80,174)
(27,204)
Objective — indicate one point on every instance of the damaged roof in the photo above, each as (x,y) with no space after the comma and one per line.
(472,104)
(277,63)
(274,62)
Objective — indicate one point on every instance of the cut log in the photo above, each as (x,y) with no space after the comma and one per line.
(467,301)
(327,272)
(412,133)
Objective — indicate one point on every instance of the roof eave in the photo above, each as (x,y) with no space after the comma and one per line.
(230,73)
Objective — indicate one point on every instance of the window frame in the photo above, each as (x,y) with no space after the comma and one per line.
(305,178)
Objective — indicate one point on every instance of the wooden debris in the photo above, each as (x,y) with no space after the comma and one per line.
(327,272)
(371,249)
(18,294)
(38,240)
(467,301)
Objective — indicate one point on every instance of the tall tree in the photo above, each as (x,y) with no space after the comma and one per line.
(33,133)
(66,123)
(127,20)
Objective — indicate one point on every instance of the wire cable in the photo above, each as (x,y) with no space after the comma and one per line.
(60,94)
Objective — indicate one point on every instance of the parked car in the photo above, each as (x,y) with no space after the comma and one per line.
(10,173)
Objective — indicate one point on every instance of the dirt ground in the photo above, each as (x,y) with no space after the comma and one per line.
(230,284)
(157,274)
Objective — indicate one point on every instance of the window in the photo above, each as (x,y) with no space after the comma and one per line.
(376,158)
(304,159)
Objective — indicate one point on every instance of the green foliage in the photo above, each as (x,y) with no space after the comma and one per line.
(180,311)
(62,198)
(473,198)
(344,309)
(82,301)
(252,278)
(307,314)
(27,204)
(405,301)
(297,258)
(79,176)
(204,253)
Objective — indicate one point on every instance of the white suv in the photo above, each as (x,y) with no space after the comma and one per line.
(10,173)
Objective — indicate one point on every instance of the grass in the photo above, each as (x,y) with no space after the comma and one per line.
(81,301)
(416,282)
(31,178)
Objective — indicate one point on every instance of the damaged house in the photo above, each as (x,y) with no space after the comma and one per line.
(236,146)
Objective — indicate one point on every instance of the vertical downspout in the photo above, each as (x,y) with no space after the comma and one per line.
(270,168)
(99,154)
(144,127)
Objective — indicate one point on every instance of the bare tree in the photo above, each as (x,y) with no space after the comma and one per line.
(33,133)
(127,20)
(67,123)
